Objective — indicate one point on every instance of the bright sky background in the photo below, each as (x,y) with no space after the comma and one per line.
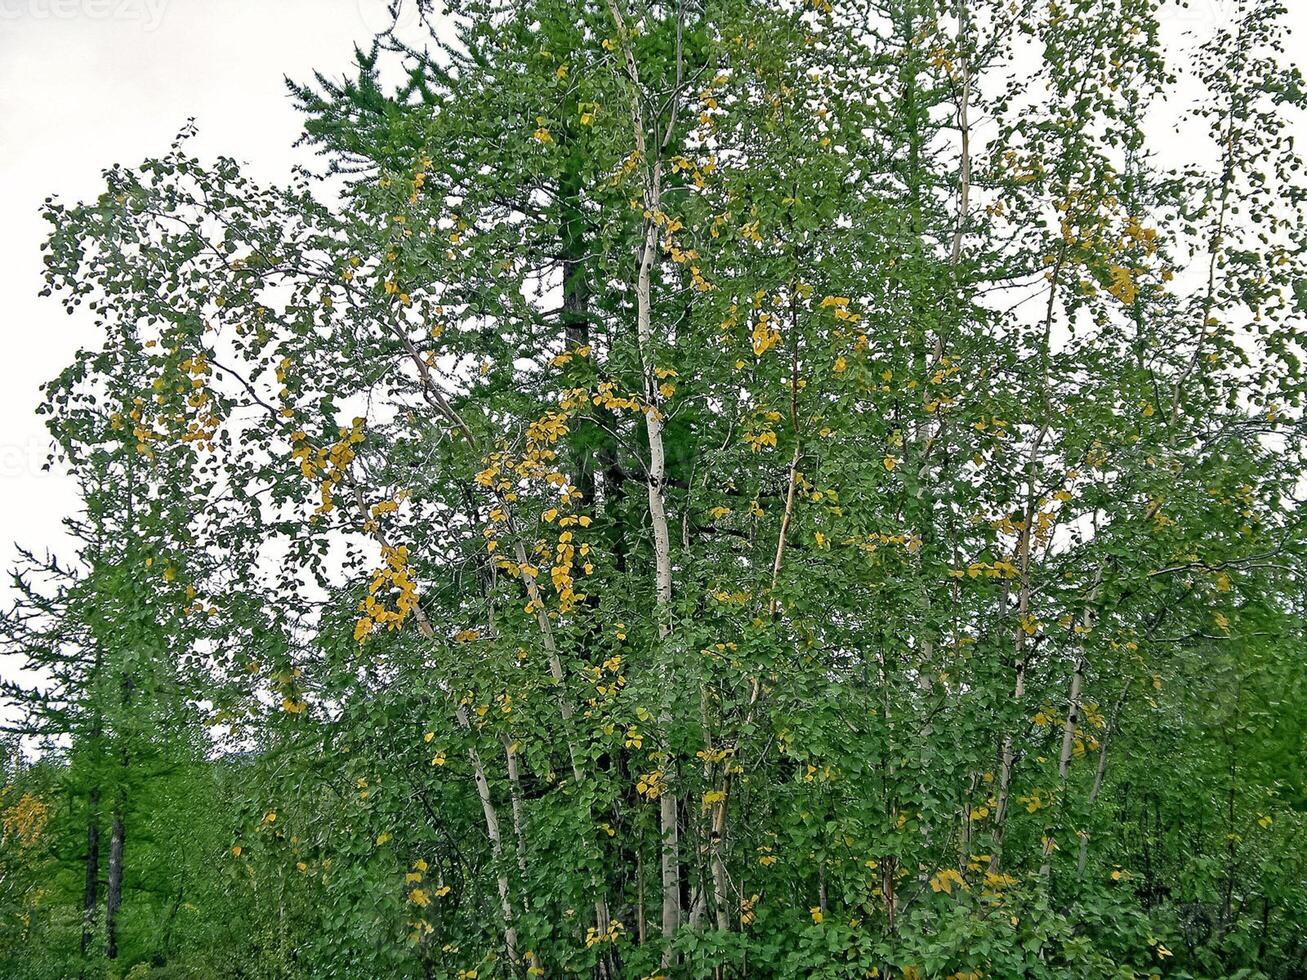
(85,84)
(88,83)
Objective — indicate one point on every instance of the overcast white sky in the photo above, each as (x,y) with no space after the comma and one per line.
(88,83)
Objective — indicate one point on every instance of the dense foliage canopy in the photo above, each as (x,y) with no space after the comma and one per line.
(693,488)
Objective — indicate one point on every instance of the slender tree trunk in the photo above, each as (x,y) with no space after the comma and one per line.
(515,795)
(117,835)
(491,817)
(668,804)
(1068,747)
(786,517)
(91,893)
(964,130)
(1100,773)
(1072,713)
(488,810)
(114,895)
(1008,751)
(668,801)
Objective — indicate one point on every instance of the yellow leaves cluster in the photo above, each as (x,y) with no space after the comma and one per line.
(731,598)
(995,569)
(419,178)
(594,937)
(393,581)
(940,59)
(503,474)
(1135,232)
(945,879)
(713,756)
(204,426)
(605,397)
(1080,744)
(760,433)
(747,906)
(995,881)
(765,336)
(878,539)
(700,171)
(195,422)
(712,798)
(546,430)
(392,287)
(418,896)
(840,307)
(667,388)
(651,785)
(1123,285)
(23,820)
(607,678)
(1092,715)
(668,224)
(565,358)
(1034,801)
(327,466)
(384,507)
(560,573)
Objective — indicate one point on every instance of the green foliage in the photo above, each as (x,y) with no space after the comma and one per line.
(714,489)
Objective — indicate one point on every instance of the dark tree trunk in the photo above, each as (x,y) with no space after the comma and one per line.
(91,895)
(114,897)
(576,298)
